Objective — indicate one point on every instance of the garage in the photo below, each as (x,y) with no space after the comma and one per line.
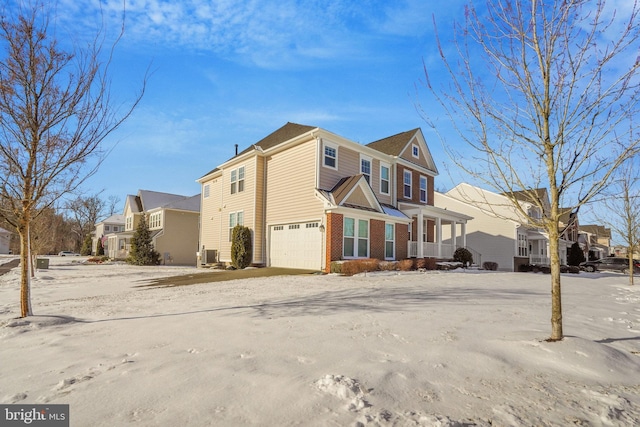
(296,245)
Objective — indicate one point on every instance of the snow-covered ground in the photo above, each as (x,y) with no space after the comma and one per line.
(430,349)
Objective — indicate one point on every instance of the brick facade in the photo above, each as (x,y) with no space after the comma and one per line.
(376,239)
(334,229)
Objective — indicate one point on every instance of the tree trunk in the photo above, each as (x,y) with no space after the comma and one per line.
(631,266)
(556,294)
(25,278)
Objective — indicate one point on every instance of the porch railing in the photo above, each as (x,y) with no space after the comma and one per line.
(430,249)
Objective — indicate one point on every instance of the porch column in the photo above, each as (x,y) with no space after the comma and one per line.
(419,235)
(439,236)
(463,231)
(454,237)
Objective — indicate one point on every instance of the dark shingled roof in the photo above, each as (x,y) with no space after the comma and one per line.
(393,145)
(285,133)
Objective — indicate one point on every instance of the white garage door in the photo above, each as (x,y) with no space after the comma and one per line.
(296,245)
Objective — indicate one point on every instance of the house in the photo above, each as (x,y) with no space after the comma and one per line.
(5,240)
(596,239)
(311,197)
(111,225)
(173,221)
(499,232)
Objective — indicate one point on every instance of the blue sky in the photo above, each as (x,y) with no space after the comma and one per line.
(231,72)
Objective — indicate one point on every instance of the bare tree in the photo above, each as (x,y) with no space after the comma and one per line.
(55,111)
(622,205)
(542,92)
(83,212)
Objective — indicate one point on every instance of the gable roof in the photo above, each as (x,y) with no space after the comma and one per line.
(147,200)
(285,133)
(598,230)
(113,219)
(394,145)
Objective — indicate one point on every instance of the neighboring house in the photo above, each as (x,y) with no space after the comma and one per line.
(569,227)
(498,231)
(596,240)
(5,240)
(311,197)
(173,221)
(112,225)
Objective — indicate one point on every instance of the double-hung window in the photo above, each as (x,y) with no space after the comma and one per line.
(423,189)
(389,241)
(237,180)
(407,184)
(365,168)
(355,238)
(384,179)
(235,218)
(330,156)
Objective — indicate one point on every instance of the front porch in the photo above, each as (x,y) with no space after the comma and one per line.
(435,232)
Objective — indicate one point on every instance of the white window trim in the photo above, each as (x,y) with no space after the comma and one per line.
(426,188)
(404,194)
(370,174)
(356,238)
(234,187)
(414,149)
(393,241)
(335,148)
(236,222)
(385,165)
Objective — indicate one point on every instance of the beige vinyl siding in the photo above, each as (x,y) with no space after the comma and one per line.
(243,201)
(258,224)
(291,181)
(179,237)
(493,237)
(210,219)
(349,165)
(407,154)
(358,198)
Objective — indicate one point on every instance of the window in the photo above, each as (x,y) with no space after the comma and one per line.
(522,245)
(155,220)
(312,225)
(389,241)
(330,156)
(129,223)
(107,228)
(122,243)
(384,179)
(407,184)
(415,151)
(237,180)
(235,218)
(116,228)
(206,190)
(365,168)
(355,238)
(423,189)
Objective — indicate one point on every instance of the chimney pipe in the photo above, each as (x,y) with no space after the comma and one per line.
(236,149)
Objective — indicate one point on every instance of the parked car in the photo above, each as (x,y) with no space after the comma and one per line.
(611,264)
(67,253)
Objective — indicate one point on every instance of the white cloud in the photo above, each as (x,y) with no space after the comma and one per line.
(287,33)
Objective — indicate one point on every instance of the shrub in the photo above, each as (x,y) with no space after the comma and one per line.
(388,265)
(356,266)
(490,265)
(576,256)
(525,268)
(241,248)
(420,263)
(464,256)
(405,265)
(98,259)
(336,267)
(142,251)
(430,263)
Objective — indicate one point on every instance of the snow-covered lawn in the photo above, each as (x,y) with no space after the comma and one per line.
(431,349)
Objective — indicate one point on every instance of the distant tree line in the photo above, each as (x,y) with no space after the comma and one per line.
(67,227)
